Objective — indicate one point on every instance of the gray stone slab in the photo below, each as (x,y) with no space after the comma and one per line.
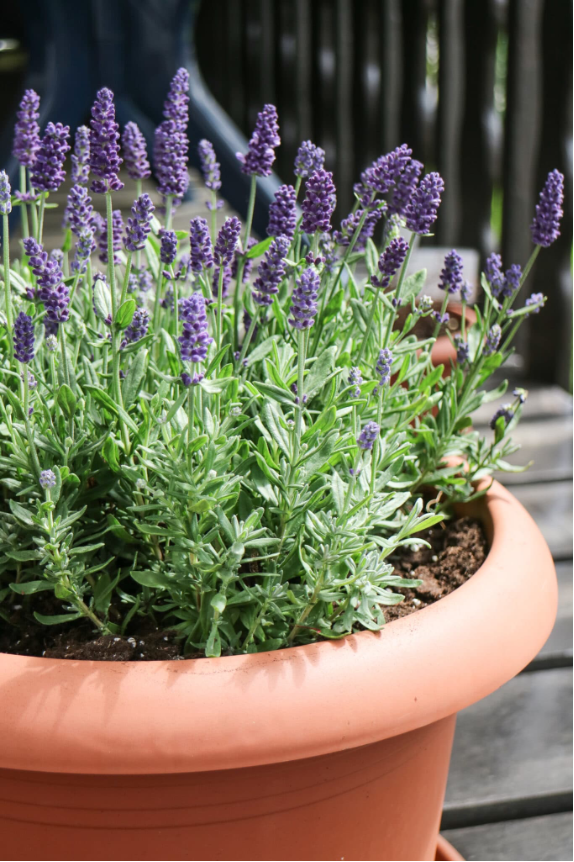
(512,754)
(557,651)
(536,838)
(545,443)
(550,504)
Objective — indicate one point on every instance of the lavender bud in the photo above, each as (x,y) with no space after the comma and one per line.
(391,260)
(226,241)
(48,172)
(47,479)
(27,130)
(304,300)
(134,149)
(139,224)
(271,272)
(319,203)
(425,305)
(383,174)
(51,343)
(23,338)
(195,339)
(383,366)
(462,350)
(355,380)
(465,292)
(188,380)
(451,275)
(170,159)
(329,253)
(138,328)
(248,261)
(368,435)
(5,194)
(506,411)
(210,167)
(81,157)
(404,188)
(79,209)
(545,227)
(492,340)
(535,302)
(283,213)
(168,248)
(261,151)
(512,280)
(351,223)
(309,159)
(422,210)
(200,244)
(176,105)
(494,274)
(105,158)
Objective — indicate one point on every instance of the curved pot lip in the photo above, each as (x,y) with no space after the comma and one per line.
(240,711)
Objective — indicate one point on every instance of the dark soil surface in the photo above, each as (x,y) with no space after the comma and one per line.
(458,549)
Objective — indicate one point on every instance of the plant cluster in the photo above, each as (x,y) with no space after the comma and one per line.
(228,436)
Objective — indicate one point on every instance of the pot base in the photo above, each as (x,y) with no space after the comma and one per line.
(445,852)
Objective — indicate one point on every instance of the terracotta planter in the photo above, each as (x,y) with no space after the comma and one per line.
(329,751)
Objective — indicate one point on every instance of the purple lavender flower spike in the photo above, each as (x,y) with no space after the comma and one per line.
(383,366)
(195,339)
(350,224)
(391,260)
(48,172)
(52,290)
(170,159)
(319,203)
(451,274)
(492,340)
(57,255)
(5,194)
(168,247)
(304,299)
(134,149)
(328,251)
(384,174)
(47,479)
(117,231)
(226,241)
(80,172)
(176,105)
(494,274)
(271,272)
(200,244)
(309,159)
(404,188)
(422,209)
(465,292)
(84,248)
(462,349)
(506,411)
(210,167)
(105,158)
(79,209)
(27,130)
(283,213)
(23,338)
(535,301)
(137,329)
(261,150)
(355,380)
(139,223)
(545,227)
(512,280)
(368,435)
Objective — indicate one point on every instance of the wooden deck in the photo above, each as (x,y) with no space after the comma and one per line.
(509,795)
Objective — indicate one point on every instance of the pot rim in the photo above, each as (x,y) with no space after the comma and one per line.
(240,711)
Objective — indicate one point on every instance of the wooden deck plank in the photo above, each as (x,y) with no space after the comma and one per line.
(550,504)
(512,752)
(557,651)
(537,838)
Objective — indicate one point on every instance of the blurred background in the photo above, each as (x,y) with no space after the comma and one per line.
(482,92)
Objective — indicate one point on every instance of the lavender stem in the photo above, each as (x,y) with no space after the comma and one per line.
(241,261)
(6,258)
(23,207)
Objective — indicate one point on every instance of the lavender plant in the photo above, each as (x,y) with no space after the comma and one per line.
(235,470)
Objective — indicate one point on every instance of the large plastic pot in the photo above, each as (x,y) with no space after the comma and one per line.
(337,750)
